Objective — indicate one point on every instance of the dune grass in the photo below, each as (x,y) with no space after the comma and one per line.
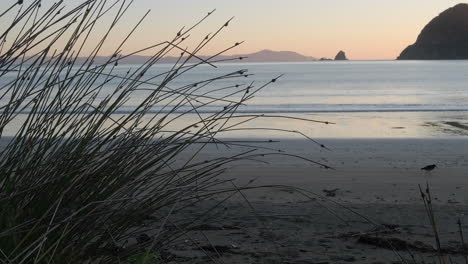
(83,178)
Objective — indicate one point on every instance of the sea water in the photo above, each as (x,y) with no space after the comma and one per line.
(361,98)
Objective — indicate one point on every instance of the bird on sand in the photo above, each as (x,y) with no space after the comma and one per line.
(429,167)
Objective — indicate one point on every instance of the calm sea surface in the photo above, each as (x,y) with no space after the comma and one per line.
(353,87)
(363,98)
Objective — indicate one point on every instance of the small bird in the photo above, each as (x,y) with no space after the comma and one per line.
(429,167)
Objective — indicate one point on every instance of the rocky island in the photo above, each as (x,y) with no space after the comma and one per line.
(444,38)
(341,56)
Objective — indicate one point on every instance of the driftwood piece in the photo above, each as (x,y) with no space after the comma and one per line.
(330,193)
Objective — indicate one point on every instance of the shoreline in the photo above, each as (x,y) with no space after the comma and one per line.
(365,125)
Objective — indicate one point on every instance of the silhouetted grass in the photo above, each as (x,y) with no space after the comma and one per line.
(83,178)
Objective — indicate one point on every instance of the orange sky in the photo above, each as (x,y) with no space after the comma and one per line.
(365,29)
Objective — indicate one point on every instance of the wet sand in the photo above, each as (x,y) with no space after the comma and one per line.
(340,215)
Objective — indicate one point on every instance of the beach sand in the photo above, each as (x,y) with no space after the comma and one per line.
(376,215)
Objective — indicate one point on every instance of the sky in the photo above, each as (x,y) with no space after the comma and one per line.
(365,29)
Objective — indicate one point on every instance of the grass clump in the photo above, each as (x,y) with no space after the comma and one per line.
(83,176)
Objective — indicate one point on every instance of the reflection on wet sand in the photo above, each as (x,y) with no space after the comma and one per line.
(449,127)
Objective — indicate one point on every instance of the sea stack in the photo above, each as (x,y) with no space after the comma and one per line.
(444,38)
(341,56)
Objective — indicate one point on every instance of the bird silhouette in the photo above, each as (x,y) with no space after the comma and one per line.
(429,167)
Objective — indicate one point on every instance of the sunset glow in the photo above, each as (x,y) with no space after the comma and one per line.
(365,29)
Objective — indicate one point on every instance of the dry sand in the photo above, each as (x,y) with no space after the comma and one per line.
(376,216)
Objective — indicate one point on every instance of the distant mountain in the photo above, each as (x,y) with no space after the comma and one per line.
(260,56)
(275,56)
(444,38)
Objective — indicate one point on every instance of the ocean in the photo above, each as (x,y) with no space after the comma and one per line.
(365,99)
